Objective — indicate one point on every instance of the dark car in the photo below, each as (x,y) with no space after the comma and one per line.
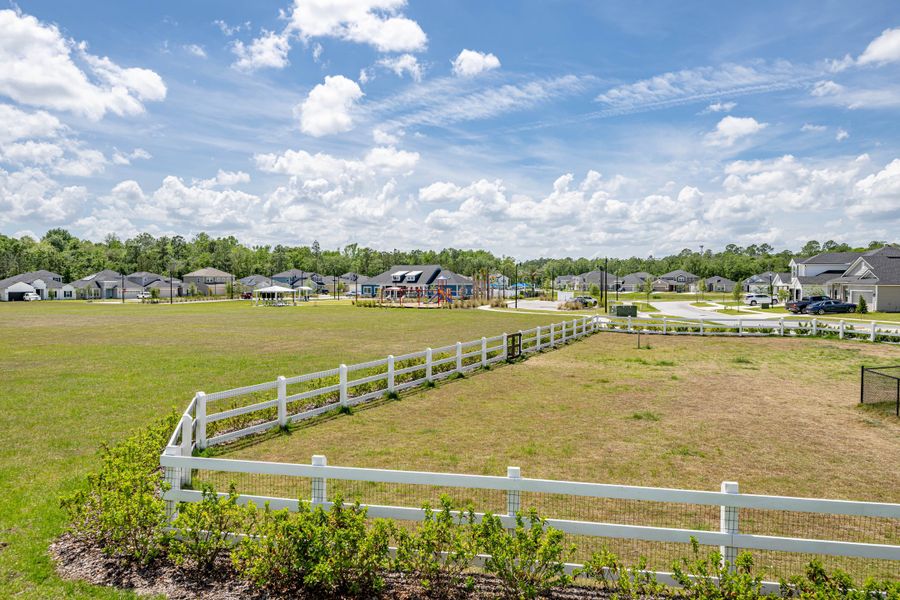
(797,306)
(829,306)
(585,300)
(246,295)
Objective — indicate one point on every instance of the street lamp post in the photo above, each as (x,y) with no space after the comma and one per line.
(123,288)
(516,286)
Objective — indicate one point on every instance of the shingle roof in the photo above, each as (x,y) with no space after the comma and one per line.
(104,275)
(676,273)
(831,258)
(718,279)
(209,272)
(821,278)
(884,264)
(429,274)
(638,277)
(47,277)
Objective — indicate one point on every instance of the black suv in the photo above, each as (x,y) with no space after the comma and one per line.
(797,306)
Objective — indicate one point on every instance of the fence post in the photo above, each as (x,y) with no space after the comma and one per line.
(740,327)
(513,497)
(781,326)
(630,328)
(319,491)
(483,351)
(390,373)
(701,327)
(538,337)
(862,384)
(459,357)
(428,364)
(343,375)
(841,334)
(282,401)
(552,333)
(815,327)
(872,334)
(728,523)
(200,413)
(187,424)
(665,326)
(505,347)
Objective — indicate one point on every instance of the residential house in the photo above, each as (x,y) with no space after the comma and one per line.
(781,283)
(678,280)
(599,278)
(634,282)
(253,282)
(721,284)
(761,283)
(143,281)
(810,276)
(208,281)
(296,278)
(101,285)
(875,276)
(46,284)
(419,280)
(568,282)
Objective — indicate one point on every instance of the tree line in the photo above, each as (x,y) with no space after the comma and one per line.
(73,258)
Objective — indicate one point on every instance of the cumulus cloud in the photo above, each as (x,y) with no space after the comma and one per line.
(471,62)
(405,63)
(333,170)
(30,193)
(383,137)
(327,108)
(223,179)
(883,49)
(125,158)
(16,124)
(841,135)
(38,68)
(269,51)
(878,195)
(731,129)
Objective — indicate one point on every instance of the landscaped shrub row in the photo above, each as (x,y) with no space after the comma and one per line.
(343,553)
(470,303)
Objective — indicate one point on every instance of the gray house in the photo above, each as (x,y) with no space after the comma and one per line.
(101,285)
(634,282)
(143,281)
(253,282)
(718,283)
(418,281)
(209,281)
(874,276)
(46,284)
(810,276)
(678,280)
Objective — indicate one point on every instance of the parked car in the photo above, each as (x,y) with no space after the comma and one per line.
(246,295)
(754,299)
(797,306)
(30,297)
(143,296)
(829,306)
(585,300)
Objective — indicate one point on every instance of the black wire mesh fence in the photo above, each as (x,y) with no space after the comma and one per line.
(880,385)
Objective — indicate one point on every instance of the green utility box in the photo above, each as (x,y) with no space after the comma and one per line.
(765,305)
(625,311)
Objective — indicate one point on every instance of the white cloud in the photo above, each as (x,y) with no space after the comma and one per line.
(471,62)
(196,50)
(269,51)
(731,129)
(385,138)
(16,124)
(878,195)
(30,193)
(321,166)
(826,88)
(813,127)
(223,179)
(125,158)
(841,135)
(327,108)
(405,63)
(37,68)
(378,23)
(317,51)
(883,49)
(230,30)
(716,107)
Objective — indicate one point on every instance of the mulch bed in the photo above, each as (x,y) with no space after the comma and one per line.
(76,560)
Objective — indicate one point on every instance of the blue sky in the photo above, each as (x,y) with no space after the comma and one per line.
(528,128)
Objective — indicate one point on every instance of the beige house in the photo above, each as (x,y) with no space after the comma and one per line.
(208,281)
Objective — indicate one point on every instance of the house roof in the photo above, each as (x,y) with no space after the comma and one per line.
(144,279)
(48,277)
(637,277)
(718,279)
(255,279)
(97,278)
(884,263)
(455,278)
(761,277)
(428,276)
(674,274)
(596,276)
(821,278)
(784,277)
(209,272)
(830,258)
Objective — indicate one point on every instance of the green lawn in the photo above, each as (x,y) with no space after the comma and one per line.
(75,375)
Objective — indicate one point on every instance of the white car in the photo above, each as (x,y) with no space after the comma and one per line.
(30,297)
(144,296)
(754,299)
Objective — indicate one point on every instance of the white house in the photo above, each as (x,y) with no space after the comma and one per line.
(875,276)
(46,284)
(810,276)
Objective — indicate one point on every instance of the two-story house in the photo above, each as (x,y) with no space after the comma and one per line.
(810,276)
(208,281)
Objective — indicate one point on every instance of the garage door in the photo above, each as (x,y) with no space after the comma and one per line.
(16,296)
(869,296)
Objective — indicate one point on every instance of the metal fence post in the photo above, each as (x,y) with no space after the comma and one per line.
(459,357)
(513,497)
(200,412)
(282,401)
(862,384)
(319,484)
(728,523)
(841,334)
(342,370)
(483,351)
(428,364)
(390,373)
(872,335)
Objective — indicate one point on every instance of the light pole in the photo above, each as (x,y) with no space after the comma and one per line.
(516,286)
(123,288)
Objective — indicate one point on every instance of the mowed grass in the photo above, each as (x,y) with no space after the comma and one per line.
(779,416)
(76,375)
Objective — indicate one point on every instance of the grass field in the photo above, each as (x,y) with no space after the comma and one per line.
(76,375)
(687,413)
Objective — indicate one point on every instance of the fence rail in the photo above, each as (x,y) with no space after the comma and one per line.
(399,495)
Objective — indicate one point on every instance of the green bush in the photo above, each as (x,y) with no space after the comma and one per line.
(201,529)
(440,550)
(529,560)
(323,553)
(818,584)
(861,306)
(605,568)
(710,578)
(121,509)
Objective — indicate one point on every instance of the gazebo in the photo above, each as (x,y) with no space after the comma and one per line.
(273,295)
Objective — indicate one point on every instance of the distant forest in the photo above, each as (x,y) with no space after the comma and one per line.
(73,258)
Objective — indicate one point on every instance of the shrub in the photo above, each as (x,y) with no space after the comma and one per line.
(121,509)
(818,584)
(529,560)
(710,578)
(438,553)
(861,306)
(201,529)
(570,305)
(605,568)
(324,553)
